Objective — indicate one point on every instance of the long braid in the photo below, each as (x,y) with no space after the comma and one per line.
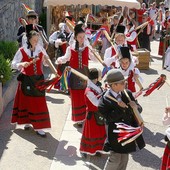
(77,46)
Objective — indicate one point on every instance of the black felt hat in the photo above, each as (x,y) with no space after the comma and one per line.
(125,53)
(31,13)
(120,29)
(69,17)
(82,19)
(130,24)
(29,28)
(78,29)
(93,73)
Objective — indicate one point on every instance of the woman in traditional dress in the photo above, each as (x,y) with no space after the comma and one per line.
(78,55)
(30,106)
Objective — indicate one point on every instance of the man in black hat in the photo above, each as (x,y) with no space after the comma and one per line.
(32,18)
(116,108)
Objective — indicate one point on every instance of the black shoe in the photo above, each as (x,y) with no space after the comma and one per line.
(41,133)
(98,154)
(83,155)
(27,127)
(79,125)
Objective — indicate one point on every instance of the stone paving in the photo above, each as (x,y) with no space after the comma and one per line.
(24,150)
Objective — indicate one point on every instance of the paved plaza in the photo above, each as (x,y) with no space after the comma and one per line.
(24,150)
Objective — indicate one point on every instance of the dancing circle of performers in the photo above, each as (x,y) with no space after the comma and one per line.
(103,102)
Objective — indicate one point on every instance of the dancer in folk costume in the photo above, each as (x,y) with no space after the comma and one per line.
(116,108)
(131,36)
(30,106)
(105,43)
(111,54)
(78,55)
(145,33)
(164,32)
(128,69)
(167,59)
(94,133)
(165,159)
(60,40)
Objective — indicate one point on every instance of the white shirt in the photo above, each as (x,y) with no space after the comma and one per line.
(90,95)
(108,58)
(67,56)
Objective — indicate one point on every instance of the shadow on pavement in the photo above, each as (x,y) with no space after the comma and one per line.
(55,100)
(5,128)
(149,72)
(45,147)
(150,160)
(98,163)
(153,138)
(156,57)
(67,154)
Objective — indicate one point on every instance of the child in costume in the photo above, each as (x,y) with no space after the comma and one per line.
(116,108)
(111,53)
(128,69)
(94,133)
(131,36)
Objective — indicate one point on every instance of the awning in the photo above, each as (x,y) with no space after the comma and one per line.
(128,3)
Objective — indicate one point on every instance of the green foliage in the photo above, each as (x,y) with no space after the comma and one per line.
(5,69)
(8,49)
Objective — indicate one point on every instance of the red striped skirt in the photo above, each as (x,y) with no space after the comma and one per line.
(93,137)
(30,110)
(166,159)
(78,105)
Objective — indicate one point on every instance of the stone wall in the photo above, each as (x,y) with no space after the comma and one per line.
(10,11)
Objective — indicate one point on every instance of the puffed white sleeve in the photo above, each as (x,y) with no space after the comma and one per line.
(16,60)
(137,72)
(132,37)
(53,38)
(108,58)
(93,98)
(66,57)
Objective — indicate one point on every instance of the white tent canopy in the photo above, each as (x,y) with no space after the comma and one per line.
(128,3)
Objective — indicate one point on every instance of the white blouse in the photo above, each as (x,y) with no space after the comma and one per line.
(91,96)
(18,56)
(67,56)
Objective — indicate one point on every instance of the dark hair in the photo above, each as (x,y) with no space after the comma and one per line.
(104,20)
(30,35)
(32,16)
(77,46)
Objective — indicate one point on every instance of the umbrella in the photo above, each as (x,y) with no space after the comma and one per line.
(128,3)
